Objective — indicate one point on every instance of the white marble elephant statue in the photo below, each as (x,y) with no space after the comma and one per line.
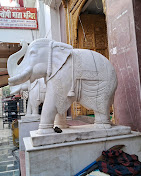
(71,75)
(36,96)
(36,90)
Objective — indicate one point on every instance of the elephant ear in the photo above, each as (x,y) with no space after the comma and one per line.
(58,56)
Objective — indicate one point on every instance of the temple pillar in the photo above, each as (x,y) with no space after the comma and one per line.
(123,23)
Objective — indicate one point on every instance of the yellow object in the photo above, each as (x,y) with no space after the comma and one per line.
(15,133)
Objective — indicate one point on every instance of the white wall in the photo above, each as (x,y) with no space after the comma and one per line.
(47,22)
(15,35)
(55,24)
(41,10)
(52,22)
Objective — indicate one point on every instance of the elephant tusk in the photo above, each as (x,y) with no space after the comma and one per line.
(49,68)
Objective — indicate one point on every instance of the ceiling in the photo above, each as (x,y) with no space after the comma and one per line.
(6,49)
(93,7)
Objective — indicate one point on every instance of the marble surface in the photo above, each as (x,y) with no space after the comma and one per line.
(30,118)
(67,159)
(69,77)
(25,126)
(77,133)
(36,90)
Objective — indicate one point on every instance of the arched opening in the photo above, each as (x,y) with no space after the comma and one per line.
(92,30)
(91,34)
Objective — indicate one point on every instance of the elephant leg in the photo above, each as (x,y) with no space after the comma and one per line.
(102,120)
(48,114)
(102,114)
(35,111)
(61,121)
(29,109)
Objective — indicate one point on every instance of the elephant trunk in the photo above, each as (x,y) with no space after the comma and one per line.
(20,78)
(14,58)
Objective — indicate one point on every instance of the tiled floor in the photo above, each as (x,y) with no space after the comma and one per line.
(9,166)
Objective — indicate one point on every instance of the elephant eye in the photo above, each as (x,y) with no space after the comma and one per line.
(33,52)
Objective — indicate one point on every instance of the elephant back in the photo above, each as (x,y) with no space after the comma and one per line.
(89,64)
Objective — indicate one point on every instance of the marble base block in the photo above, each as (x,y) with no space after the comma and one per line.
(25,126)
(77,133)
(68,158)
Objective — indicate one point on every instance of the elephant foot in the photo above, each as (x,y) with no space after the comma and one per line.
(102,125)
(60,121)
(45,129)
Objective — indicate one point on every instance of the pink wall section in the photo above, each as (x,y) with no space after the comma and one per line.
(137,17)
(124,57)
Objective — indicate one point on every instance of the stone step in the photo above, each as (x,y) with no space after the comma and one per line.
(4,142)
(8,166)
(10,173)
(7,157)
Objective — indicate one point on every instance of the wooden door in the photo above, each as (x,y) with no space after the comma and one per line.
(92,34)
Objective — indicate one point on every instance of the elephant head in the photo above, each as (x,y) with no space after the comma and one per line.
(43,58)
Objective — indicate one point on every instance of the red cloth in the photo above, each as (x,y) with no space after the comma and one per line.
(119,163)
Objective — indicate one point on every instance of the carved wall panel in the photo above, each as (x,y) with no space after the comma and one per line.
(73,10)
(92,33)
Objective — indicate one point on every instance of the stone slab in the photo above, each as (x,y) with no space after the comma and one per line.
(77,133)
(25,126)
(30,118)
(67,159)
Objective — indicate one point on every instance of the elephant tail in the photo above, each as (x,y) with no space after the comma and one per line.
(112,82)
(114,85)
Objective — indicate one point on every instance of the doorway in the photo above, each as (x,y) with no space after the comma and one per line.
(91,34)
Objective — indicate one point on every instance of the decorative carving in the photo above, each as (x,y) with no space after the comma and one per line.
(94,80)
(92,35)
(94,30)
(73,11)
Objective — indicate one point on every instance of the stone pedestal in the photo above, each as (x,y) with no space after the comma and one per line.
(25,126)
(74,149)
